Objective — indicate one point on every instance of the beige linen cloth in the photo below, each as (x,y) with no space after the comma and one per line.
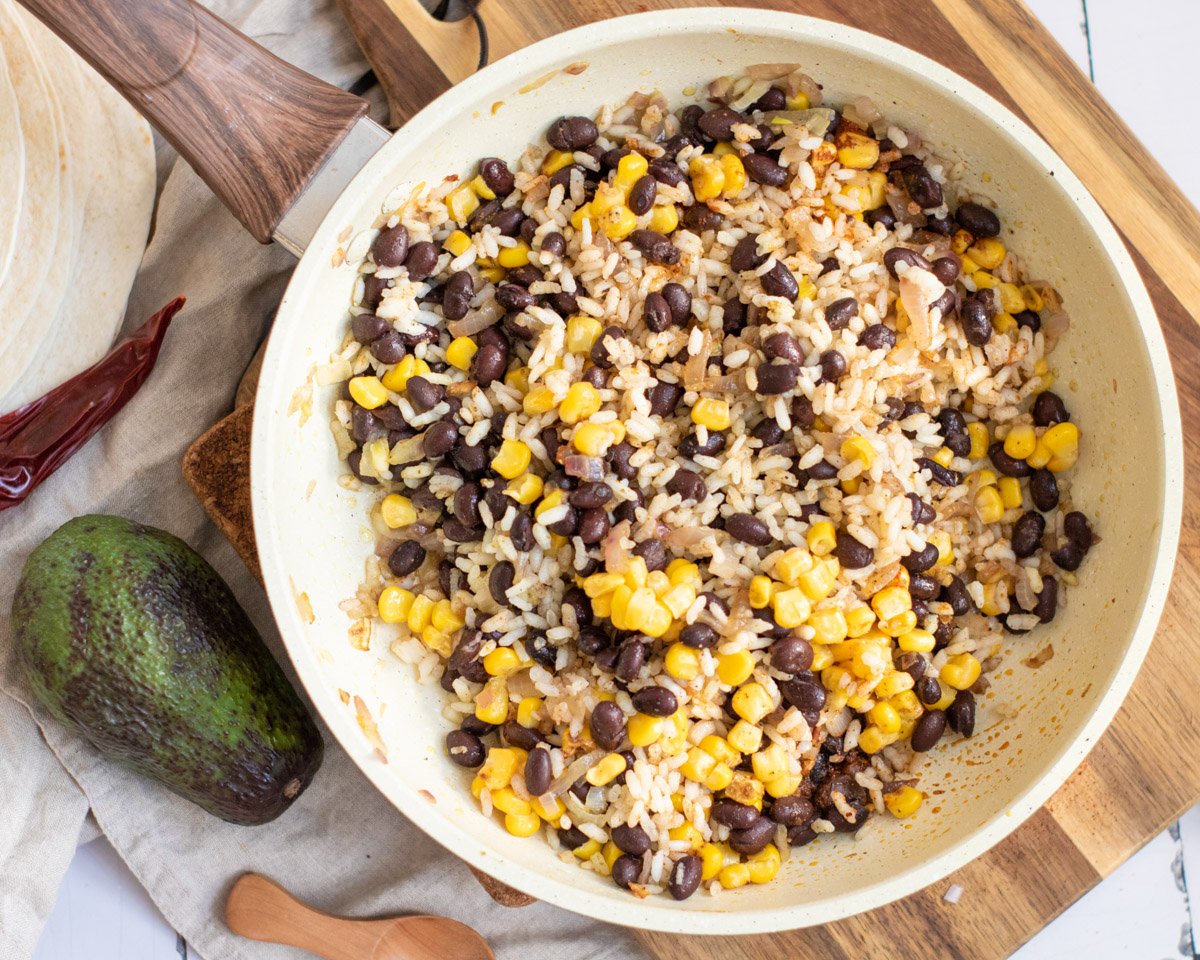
(341,846)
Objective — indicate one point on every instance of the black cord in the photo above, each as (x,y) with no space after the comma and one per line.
(481,29)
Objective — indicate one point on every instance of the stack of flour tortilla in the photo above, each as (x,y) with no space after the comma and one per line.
(76,198)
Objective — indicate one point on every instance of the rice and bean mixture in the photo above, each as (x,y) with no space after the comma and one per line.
(717,455)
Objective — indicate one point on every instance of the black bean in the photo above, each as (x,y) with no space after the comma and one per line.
(588,496)
(572,838)
(922,188)
(1009,466)
(753,838)
(600,355)
(913,664)
(593,525)
(541,651)
(689,126)
(878,337)
(568,525)
(1078,530)
(793,810)
(439,439)
(691,447)
(618,460)
(373,288)
(1068,557)
(1049,409)
(822,470)
(607,725)
(423,394)
(456,297)
(513,297)
(779,282)
(773,99)
(762,169)
(595,376)
(1043,487)
(955,593)
(689,485)
(806,694)
(839,313)
(718,123)
(631,660)
(685,875)
(527,229)
(500,581)
(665,171)
(576,600)
(975,317)
(655,701)
(509,221)
(929,730)
(898,255)
(748,529)
(961,713)
(767,432)
(920,560)
(631,840)
(1047,601)
(833,367)
(465,749)
(591,640)
(537,772)
(851,553)
(791,654)
(664,398)
(572,133)
(497,176)
(782,346)
(776,378)
(389,348)
(497,502)
(929,691)
(1027,318)
(391,246)
(734,316)
(642,194)
(947,269)
(472,461)
(746,256)
(653,552)
(562,178)
(466,505)
(939,474)
(699,218)
(626,869)
(921,585)
(489,364)
(554,244)
(977,220)
(473,724)
(367,327)
(954,431)
(679,300)
(483,215)
(654,246)
(1027,534)
(656,312)
(521,532)
(364,425)
(736,816)
(698,635)
(406,558)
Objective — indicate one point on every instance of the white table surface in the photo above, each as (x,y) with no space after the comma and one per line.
(1142,64)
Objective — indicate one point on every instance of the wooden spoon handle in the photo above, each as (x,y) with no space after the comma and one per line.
(255,128)
(262,910)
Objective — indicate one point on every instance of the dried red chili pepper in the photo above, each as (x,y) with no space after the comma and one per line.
(37,438)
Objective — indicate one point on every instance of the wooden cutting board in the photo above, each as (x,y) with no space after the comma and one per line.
(1142,774)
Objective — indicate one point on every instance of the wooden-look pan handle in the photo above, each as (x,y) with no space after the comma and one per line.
(255,128)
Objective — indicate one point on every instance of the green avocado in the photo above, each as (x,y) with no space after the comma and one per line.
(127,635)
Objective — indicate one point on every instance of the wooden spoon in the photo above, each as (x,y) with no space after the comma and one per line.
(259,909)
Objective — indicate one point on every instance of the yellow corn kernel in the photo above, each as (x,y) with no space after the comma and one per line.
(822,538)
(581,401)
(698,765)
(891,602)
(498,769)
(988,252)
(895,682)
(735,668)
(960,240)
(397,511)
(482,190)
(783,786)
(1010,492)
(752,702)
(420,614)
(664,218)
(555,160)
(611,854)
(602,606)
(593,439)
(1033,299)
(506,801)
(710,413)
(899,625)
(460,352)
(792,564)
(682,662)
(856,150)
(712,860)
(1011,300)
(829,626)
(678,599)
(904,802)
(885,718)
(527,711)
(606,771)
(872,739)
(620,603)
(859,620)
(397,378)
(582,333)
(445,619)
(791,607)
(851,486)
(960,672)
(394,604)
(859,448)
(630,169)
(944,456)
(640,611)
(539,399)
(985,280)
(588,850)
(526,488)
(720,778)
(734,875)
(515,256)
(580,215)
(457,243)
(941,540)
(1004,323)
(983,478)
(988,505)
(770,763)
(462,202)
(688,834)
(723,148)
(477,787)
(368,392)
(722,749)
(978,432)
(907,705)
(708,177)
(644,730)
(1062,440)
(502,662)
(948,695)
(735,175)
(684,571)
(512,459)
(599,584)
(969,266)
(659,582)
(618,223)
(916,641)
(637,574)
(816,583)
(493,274)
(1020,442)
(764,865)
(550,814)
(761,589)
(744,737)
(798,101)
(522,824)
(746,789)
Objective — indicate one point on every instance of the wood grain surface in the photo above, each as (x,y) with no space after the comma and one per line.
(256,144)
(1142,773)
